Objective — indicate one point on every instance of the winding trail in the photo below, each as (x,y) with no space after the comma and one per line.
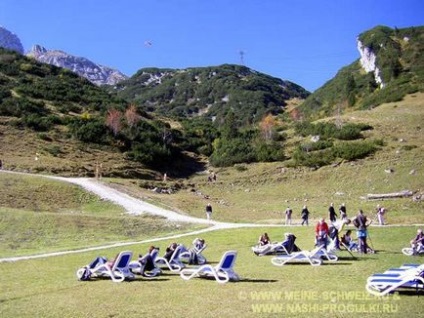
(136,206)
(132,206)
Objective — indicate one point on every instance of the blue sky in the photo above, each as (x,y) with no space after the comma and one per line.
(303,41)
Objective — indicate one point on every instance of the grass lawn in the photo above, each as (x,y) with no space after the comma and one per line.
(49,288)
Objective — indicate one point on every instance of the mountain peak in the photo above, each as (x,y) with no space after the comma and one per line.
(95,73)
(36,51)
(10,41)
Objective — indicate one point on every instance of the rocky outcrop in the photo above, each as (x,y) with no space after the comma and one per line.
(10,41)
(96,73)
(368,62)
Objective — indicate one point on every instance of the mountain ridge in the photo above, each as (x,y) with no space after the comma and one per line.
(95,73)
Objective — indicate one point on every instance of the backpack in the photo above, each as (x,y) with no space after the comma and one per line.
(355,222)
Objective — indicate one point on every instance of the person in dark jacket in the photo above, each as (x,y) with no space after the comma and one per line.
(332,213)
(305,215)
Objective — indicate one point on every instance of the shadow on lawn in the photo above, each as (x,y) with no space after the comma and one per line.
(254,280)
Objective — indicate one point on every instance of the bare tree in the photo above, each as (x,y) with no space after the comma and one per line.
(113,120)
(131,116)
(267,127)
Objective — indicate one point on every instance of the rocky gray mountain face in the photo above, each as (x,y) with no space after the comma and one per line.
(97,74)
(10,41)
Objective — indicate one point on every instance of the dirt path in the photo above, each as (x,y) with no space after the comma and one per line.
(133,206)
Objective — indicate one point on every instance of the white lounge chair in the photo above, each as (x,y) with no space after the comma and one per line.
(285,247)
(118,271)
(174,263)
(298,257)
(328,253)
(186,255)
(403,271)
(419,250)
(138,268)
(383,285)
(222,273)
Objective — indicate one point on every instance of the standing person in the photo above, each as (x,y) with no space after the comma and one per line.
(321,233)
(288,213)
(343,213)
(305,215)
(380,214)
(208,211)
(332,213)
(361,223)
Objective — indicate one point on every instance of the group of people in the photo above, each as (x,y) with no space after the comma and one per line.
(322,229)
(147,261)
(305,213)
(198,246)
(212,177)
(332,215)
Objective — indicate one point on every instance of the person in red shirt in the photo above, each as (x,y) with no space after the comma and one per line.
(321,233)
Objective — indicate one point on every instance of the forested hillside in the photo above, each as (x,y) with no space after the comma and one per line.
(211,92)
(180,120)
(400,62)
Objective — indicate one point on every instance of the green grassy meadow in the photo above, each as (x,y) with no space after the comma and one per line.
(48,287)
(40,215)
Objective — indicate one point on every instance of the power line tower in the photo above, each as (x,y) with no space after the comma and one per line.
(241,52)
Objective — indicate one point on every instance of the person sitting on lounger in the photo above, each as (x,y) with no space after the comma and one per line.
(264,240)
(348,241)
(146,261)
(321,233)
(198,245)
(169,251)
(418,242)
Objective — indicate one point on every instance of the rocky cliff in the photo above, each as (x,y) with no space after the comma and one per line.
(10,41)
(97,74)
(367,60)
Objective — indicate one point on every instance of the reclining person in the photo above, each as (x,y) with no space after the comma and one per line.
(417,243)
(195,257)
(264,240)
(333,234)
(169,251)
(147,261)
(348,241)
(287,246)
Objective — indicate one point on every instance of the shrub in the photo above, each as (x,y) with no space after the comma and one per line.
(354,150)
(88,130)
(312,159)
(330,130)
(53,150)
(44,136)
